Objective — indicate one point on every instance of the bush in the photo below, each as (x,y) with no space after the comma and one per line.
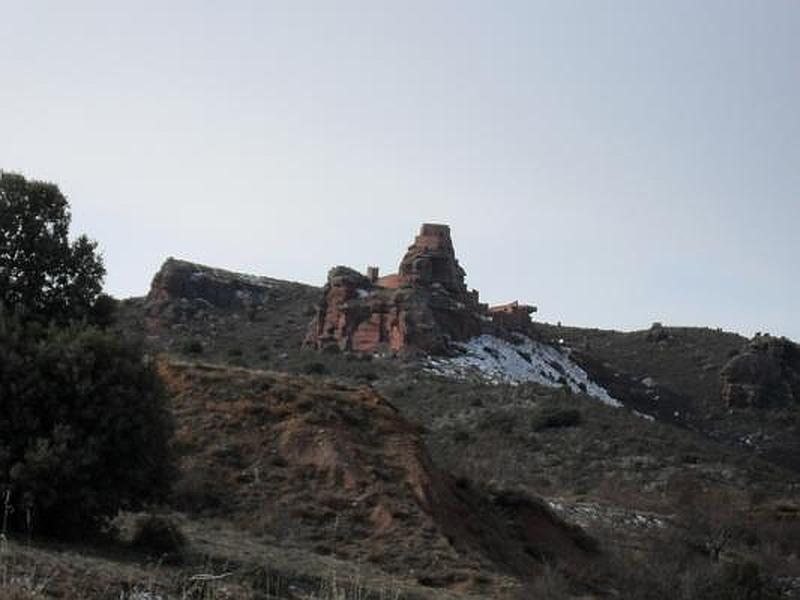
(553,419)
(84,427)
(192,347)
(158,535)
(315,368)
(738,581)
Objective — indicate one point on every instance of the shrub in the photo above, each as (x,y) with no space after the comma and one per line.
(158,535)
(461,435)
(84,427)
(192,347)
(315,368)
(556,418)
(551,584)
(736,581)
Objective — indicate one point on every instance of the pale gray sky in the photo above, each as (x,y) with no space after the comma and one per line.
(614,162)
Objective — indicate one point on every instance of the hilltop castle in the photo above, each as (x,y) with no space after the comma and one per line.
(422,307)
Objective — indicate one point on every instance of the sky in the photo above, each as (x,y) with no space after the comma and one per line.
(614,162)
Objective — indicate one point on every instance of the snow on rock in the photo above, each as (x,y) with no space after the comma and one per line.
(495,360)
(586,514)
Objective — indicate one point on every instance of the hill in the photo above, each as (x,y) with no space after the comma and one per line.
(394,433)
(685,375)
(626,434)
(299,484)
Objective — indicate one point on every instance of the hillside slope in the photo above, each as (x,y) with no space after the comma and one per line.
(677,375)
(336,469)
(521,413)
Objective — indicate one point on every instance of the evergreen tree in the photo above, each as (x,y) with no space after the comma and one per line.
(42,273)
(84,423)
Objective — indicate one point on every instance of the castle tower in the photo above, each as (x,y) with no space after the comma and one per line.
(432,259)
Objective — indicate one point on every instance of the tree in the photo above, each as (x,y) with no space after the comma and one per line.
(84,423)
(84,427)
(41,272)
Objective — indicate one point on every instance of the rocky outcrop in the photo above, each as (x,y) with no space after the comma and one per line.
(765,374)
(421,308)
(356,315)
(431,259)
(185,294)
(179,279)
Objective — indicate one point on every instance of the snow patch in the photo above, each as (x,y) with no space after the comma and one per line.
(587,513)
(497,361)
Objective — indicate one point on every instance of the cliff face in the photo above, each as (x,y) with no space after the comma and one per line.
(419,309)
(218,312)
(422,308)
(766,374)
(356,315)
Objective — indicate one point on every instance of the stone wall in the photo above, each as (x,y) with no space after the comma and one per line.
(512,315)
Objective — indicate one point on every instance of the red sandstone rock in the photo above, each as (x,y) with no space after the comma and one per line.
(432,259)
(356,316)
(419,309)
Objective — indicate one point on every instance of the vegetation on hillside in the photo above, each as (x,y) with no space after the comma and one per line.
(84,426)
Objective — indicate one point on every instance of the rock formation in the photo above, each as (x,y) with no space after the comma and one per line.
(432,259)
(185,292)
(359,316)
(223,289)
(766,374)
(421,308)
